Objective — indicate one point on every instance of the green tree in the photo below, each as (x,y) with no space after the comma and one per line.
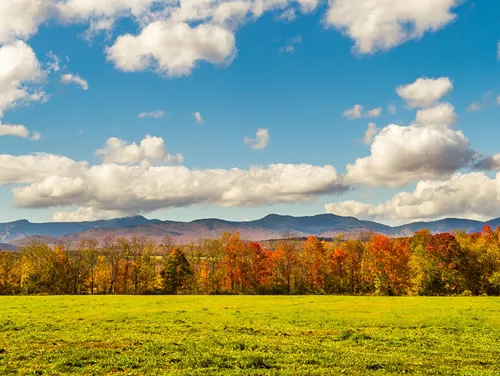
(176,273)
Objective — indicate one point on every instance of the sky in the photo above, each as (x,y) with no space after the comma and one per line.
(384,110)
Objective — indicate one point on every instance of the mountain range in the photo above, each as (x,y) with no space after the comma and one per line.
(272,226)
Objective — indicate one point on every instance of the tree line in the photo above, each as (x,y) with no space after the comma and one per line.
(423,264)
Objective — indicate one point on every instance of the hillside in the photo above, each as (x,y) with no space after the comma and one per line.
(270,227)
(7,247)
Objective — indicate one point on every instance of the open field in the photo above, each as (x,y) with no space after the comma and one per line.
(240,335)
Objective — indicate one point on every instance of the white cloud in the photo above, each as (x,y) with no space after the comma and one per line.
(354,113)
(67,79)
(101,12)
(481,104)
(230,14)
(172,49)
(151,149)
(36,167)
(19,19)
(84,214)
(498,50)
(472,195)
(308,6)
(53,64)
(488,163)
(14,130)
(425,92)
(440,114)
(474,106)
(288,15)
(134,189)
(18,131)
(370,133)
(400,155)
(392,109)
(176,36)
(153,114)
(260,142)
(498,99)
(35,136)
(19,71)
(198,117)
(382,24)
(376,112)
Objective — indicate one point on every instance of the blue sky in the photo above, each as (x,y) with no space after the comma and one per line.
(298,96)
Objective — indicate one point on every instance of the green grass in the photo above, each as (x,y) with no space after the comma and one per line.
(260,335)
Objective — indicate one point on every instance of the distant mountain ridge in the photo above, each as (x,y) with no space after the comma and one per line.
(272,226)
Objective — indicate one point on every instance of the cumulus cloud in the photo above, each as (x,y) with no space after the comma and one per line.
(151,149)
(19,19)
(175,37)
(427,149)
(481,104)
(198,117)
(356,112)
(85,9)
(14,130)
(392,109)
(308,6)
(35,136)
(172,49)
(370,133)
(84,214)
(68,79)
(288,15)
(152,114)
(400,155)
(141,188)
(36,167)
(440,114)
(19,71)
(488,163)
(472,195)
(18,131)
(425,92)
(261,141)
(376,112)
(383,24)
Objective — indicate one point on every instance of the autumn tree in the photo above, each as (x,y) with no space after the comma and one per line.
(113,253)
(388,265)
(211,278)
(284,261)
(88,248)
(10,273)
(437,264)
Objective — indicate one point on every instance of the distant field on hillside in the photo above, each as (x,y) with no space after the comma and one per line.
(240,335)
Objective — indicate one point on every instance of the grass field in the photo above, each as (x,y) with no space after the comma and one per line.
(260,335)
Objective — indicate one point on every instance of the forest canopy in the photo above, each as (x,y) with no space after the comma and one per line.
(424,264)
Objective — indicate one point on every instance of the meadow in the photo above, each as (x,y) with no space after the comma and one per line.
(249,335)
